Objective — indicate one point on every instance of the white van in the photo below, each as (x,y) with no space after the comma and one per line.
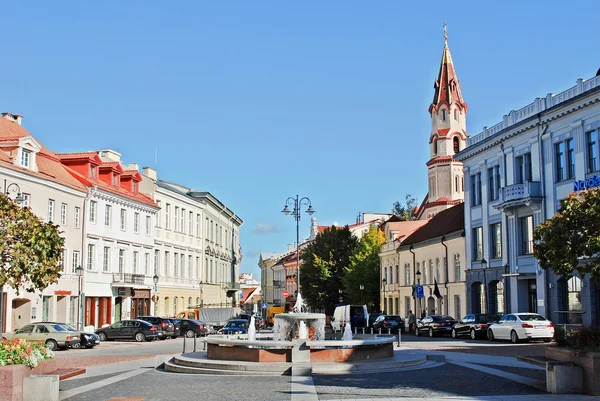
(345,313)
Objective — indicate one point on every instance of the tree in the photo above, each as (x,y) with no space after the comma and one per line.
(570,240)
(364,269)
(30,249)
(405,212)
(322,268)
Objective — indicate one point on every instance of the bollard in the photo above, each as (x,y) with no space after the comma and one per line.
(399,338)
(356,330)
(183,352)
(389,331)
(363,330)
(195,343)
(371,330)
(380,330)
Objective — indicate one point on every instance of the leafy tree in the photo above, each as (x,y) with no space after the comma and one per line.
(570,240)
(30,249)
(364,269)
(405,212)
(322,267)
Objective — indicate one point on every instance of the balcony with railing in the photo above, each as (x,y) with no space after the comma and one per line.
(129,278)
(520,194)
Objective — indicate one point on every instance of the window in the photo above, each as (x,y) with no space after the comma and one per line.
(115,180)
(90,256)
(206,229)
(496,231)
(456,144)
(592,151)
(559,152)
(476,189)
(148,222)
(457,268)
(167,272)
(574,300)
(526,235)
(435,147)
(75,262)
(523,168)
(457,311)
(156,261)
(175,264)
(182,221)
(176,218)
(198,225)
(212,237)
(133,186)
(93,212)
(456,114)
(92,171)
(437,270)
(106,259)
(191,224)
(570,159)
(198,267)
(158,215)
(25,158)
(430,271)
(107,215)
(26,200)
(407,274)
(63,214)
(168,217)
(136,223)
(182,256)
(50,210)
(443,115)
(136,259)
(190,267)
(494,182)
(478,243)
(123,219)
(77,214)
(146,262)
(121,260)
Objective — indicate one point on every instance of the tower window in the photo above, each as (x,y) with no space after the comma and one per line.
(456,115)
(456,144)
(435,147)
(443,115)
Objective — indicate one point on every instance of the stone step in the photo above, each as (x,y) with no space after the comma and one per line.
(202,362)
(174,368)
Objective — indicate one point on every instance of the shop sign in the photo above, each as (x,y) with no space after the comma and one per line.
(62,292)
(589,183)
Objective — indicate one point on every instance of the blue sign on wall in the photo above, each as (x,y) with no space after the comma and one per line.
(420,292)
(586,184)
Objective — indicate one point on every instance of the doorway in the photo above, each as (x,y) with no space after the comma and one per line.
(118,305)
(21,313)
(532,298)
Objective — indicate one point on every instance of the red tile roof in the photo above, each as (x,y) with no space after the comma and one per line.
(246,292)
(447,86)
(77,155)
(405,228)
(320,229)
(445,222)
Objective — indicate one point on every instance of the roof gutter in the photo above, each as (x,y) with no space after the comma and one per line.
(414,272)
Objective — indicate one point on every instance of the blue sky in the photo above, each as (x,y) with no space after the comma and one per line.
(257,101)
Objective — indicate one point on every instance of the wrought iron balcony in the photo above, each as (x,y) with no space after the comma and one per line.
(520,194)
(128,278)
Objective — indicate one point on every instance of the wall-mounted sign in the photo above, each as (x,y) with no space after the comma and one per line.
(591,182)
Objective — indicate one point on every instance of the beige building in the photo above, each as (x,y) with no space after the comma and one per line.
(197,250)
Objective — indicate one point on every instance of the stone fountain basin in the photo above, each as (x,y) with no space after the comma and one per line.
(239,348)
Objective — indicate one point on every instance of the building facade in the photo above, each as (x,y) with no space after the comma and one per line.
(29,169)
(517,171)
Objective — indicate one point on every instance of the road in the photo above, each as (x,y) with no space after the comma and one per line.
(473,368)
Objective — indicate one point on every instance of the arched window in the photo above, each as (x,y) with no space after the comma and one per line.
(456,114)
(435,147)
(574,299)
(430,271)
(197,301)
(424,272)
(174,306)
(190,302)
(443,115)
(457,268)
(437,269)
(456,144)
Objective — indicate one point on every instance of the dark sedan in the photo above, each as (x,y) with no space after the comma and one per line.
(166,326)
(191,328)
(139,330)
(474,326)
(434,325)
(87,340)
(389,323)
(235,326)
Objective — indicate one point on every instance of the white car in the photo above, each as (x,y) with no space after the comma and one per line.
(521,326)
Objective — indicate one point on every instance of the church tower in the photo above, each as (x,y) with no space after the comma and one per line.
(448,136)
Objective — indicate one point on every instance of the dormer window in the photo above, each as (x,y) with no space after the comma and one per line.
(133,187)
(115,180)
(92,171)
(25,158)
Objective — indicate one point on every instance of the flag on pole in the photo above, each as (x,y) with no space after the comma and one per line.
(436,290)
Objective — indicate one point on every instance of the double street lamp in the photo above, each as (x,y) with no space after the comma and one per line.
(297,203)
(201,284)
(80,323)
(483,263)
(384,282)
(155,281)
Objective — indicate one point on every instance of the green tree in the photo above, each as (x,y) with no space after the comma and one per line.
(570,240)
(364,269)
(30,249)
(405,212)
(323,266)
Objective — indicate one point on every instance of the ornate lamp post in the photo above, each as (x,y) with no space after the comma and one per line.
(384,283)
(80,312)
(485,292)
(297,203)
(155,281)
(201,284)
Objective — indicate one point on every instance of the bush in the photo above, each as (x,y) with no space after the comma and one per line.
(21,352)
(583,339)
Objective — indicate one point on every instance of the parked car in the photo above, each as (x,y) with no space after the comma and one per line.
(435,325)
(373,317)
(392,323)
(166,326)
(260,323)
(139,330)
(357,315)
(54,335)
(86,340)
(474,326)
(521,326)
(235,326)
(192,328)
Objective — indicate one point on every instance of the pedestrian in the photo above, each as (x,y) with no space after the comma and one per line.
(412,321)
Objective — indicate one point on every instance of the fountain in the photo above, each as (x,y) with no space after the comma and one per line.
(347,336)
(288,326)
(252,330)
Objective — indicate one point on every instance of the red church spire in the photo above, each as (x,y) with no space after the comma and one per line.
(447,86)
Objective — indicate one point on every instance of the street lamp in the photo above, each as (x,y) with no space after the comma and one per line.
(79,273)
(155,281)
(384,282)
(418,276)
(341,296)
(297,203)
(362,288)
(483,263)
(201,284)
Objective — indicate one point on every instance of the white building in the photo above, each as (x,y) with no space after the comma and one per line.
(31,170)
(517,171)
(119,237)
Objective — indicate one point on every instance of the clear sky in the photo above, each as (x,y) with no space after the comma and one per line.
(255,101)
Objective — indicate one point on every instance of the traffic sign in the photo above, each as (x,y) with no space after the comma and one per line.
(264,306)
(420,292)
(285,293)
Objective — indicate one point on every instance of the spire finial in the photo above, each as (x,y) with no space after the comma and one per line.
(445,34)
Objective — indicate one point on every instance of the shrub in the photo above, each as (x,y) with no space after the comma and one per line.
(583,339)
(20,352)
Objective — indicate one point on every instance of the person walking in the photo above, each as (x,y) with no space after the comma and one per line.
(412,322)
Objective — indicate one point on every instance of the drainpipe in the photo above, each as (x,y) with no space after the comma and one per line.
(84,218)
(446,267)
(414,275)
(507,283)
(542,131)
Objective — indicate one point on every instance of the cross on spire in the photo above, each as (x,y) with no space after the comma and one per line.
(445,34)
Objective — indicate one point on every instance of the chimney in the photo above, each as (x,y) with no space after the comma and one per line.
(289,247)
(133,166)
(15,118)
(109,155)
(150,173)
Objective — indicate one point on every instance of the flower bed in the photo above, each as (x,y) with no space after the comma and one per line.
(21,352)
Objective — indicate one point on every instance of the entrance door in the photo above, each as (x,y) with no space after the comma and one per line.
(430,306)
(118,304)
(532,296)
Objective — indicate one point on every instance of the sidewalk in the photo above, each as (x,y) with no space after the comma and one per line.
(534,397)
